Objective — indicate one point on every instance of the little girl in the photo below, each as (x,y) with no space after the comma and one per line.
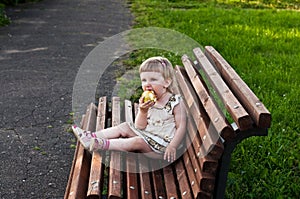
(159,126)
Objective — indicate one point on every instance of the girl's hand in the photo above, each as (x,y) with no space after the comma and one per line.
(170,154)
(144,106)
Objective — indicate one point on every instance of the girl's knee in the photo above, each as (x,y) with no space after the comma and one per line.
(125,130)
(141,144)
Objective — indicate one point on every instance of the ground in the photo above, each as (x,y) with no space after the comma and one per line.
(40,54)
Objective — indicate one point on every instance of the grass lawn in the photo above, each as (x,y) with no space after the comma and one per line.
(261,40)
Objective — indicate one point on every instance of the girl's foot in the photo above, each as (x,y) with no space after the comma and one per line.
(83,136)
(99,144)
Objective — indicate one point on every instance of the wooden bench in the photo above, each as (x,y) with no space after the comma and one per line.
(202,168)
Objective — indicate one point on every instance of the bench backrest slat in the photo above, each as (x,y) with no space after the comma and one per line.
(233,106)
(215,114)
(198,118)
(254,106)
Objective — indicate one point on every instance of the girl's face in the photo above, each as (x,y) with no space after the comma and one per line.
(154,81)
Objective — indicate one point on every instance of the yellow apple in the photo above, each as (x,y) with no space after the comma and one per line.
(149,96)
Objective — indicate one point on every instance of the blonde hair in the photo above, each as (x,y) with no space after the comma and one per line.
(163,66)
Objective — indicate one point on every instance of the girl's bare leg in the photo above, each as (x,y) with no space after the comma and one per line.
(122,144)
(121,131)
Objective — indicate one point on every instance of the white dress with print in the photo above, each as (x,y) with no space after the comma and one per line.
(161,125)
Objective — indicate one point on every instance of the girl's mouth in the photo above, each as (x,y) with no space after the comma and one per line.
(149,89)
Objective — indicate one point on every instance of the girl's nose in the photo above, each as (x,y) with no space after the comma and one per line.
(146,84)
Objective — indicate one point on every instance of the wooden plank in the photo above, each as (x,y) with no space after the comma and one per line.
(97,167)
(233,106)
(67,193)
(144,173)
(79,184)
(207,147)
(195,113)
(128,111)
(132,187)
(145,178)
(194,182)
(115,182)
(254,106)
(214,113)
(157,177)
(170,182)
(205,180)
(182,179)
(198,120)
(201,182)
(206,164)
(102,113)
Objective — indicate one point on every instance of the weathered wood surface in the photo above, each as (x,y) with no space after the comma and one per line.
(196,173)
(254,106)
(232,104)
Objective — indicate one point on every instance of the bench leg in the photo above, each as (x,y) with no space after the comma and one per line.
(224,163)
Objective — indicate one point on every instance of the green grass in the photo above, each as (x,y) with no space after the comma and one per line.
(260,39)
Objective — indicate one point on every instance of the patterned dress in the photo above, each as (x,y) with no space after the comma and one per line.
(161,126)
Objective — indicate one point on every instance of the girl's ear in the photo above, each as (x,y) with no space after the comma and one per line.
(168,82)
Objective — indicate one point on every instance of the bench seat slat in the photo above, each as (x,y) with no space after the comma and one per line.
(182,179)
(193,181)
(205,179)
(206,164)
(236,110)
(132,188)
(81,163)
(171,189)
(145,179)
(97,168)
(115,182)
(72,171)
(254,106)
(157,177)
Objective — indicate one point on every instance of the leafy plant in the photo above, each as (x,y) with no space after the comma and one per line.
(3,18)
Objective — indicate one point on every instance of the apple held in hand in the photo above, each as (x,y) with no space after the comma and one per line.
(149,96)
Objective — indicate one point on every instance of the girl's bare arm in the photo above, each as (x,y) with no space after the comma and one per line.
(141,118)
(180,121)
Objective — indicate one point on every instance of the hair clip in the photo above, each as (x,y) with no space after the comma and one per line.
(162,63)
